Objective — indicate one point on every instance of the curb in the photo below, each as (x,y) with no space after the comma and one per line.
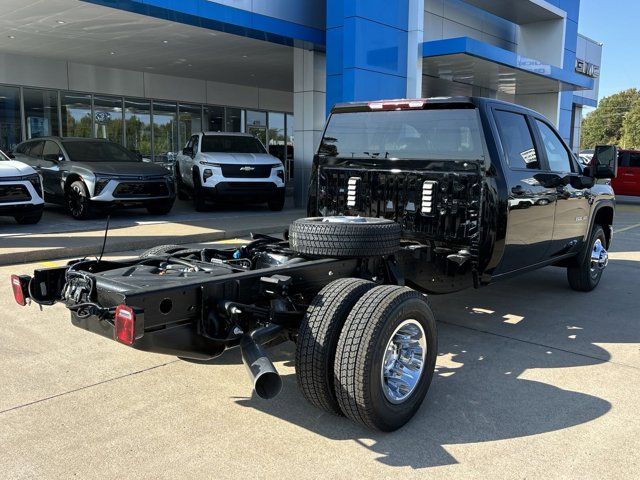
(124,245)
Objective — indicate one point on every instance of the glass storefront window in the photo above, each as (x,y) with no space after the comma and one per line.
(214,119)
(108,118)
(257,125)
(137,116)
(276,136)
(10,124)
(190,122)
(235,120)
(290,146)
(41,112)
(165,132)
(76,115)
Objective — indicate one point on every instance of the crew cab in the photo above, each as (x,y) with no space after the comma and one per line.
(407,199)
(217,166)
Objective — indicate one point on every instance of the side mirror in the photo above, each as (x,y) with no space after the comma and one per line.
(10,154)
(604,163)
(60,158)
(187,151)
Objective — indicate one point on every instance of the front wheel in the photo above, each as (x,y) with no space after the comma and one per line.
(199,200)
(385,357)
(585,275)
(276,204)
(78,202)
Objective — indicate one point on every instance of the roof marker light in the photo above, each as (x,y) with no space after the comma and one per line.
(398,104)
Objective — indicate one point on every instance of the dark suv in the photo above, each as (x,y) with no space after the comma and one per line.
(87,175)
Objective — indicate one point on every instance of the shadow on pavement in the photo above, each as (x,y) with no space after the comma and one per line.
(488,340)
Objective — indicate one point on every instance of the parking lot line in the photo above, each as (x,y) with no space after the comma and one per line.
(625,229)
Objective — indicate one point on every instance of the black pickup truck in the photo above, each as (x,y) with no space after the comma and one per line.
(407,198)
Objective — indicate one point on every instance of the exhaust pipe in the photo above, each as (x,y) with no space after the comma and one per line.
(266,379)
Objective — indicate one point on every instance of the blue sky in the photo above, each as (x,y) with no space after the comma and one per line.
(616,24)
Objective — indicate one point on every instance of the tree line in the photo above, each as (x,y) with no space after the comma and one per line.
(616,121)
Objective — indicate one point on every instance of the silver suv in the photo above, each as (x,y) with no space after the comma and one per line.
(230,165)
(87,175)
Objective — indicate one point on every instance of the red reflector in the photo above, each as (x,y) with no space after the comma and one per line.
(125,320)
(18,287)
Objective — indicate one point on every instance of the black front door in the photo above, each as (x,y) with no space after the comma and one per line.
(573,200)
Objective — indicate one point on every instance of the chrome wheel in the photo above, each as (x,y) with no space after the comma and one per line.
(599,258)
(403,362)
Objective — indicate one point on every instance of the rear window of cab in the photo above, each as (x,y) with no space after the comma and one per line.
(438,134)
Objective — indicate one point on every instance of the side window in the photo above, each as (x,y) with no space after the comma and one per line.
(51,151)
(624,158)
(634,159)
(517,140)
(35,149)
(557,155)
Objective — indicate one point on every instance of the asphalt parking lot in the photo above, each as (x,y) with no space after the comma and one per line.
(533,380)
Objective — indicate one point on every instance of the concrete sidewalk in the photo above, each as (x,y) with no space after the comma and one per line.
(60,242)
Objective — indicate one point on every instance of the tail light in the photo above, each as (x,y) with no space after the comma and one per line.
(125,322)
(20,286)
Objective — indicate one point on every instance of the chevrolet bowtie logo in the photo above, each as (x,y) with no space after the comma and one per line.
(247,169)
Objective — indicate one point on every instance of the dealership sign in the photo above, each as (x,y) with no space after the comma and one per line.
(588,69)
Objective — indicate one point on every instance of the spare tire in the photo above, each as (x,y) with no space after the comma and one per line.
(344,236)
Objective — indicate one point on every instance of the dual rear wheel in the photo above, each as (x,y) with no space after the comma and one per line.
(367,352)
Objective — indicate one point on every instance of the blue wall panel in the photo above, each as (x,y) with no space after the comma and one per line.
(366,50)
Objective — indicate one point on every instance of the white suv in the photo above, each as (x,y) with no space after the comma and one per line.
(230,165)
(20,191)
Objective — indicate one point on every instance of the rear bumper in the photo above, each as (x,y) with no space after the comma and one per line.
(176,340)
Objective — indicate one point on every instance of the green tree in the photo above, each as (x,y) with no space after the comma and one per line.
(604,124)
(631,128)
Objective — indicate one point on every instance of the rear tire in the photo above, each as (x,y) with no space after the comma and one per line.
(388,330)
(29,219)
(162,250)
(318,338)
(345,236)
(78,201)
(585,275)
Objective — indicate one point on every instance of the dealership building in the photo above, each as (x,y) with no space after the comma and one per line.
(149,73)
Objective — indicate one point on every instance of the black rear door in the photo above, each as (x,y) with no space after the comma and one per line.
(530,204)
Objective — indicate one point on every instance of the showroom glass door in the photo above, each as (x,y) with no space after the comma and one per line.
(190,123)
(107,118)
(257,125)
(165,132)
(10,125)
(40,112)
(76,115)
(137,117)
(276,135)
